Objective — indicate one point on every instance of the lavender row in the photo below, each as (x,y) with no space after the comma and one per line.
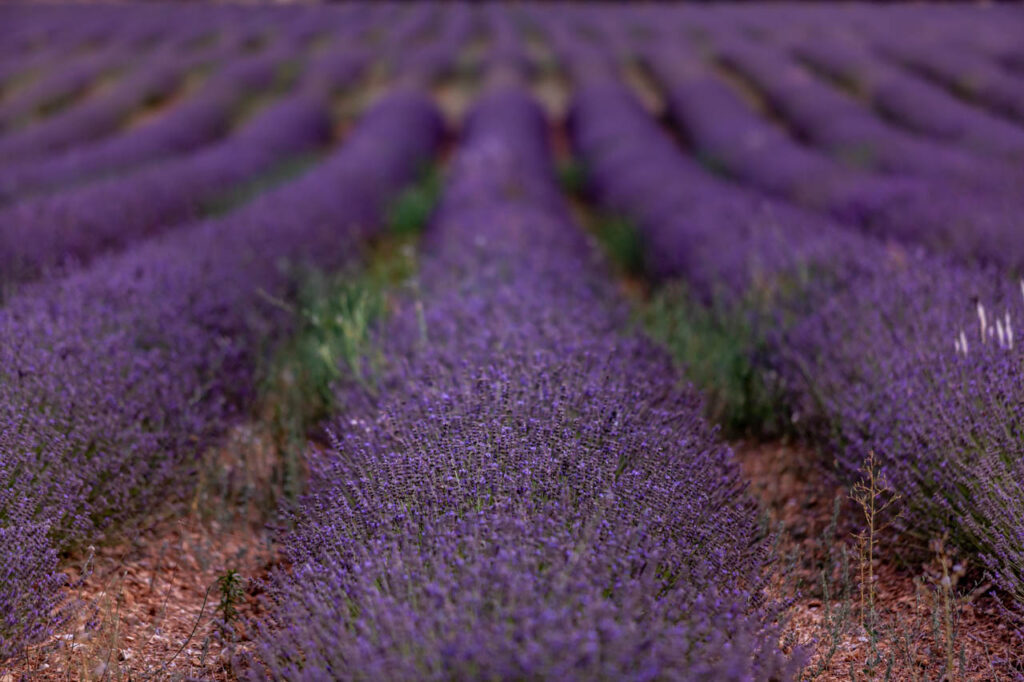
(976,224)
(73,226)
(863,347)
(158,76)
(531,495)
(507,49)
(155,74)
(835,120)
(60,86)
(730,136)
(968,32)
(407,31)
(76,225)
(16,73)
(964,72)
(35,40)
(915,103)
(692,224)
(201,118)
(106,38)
(71,69)
(839,40)
(434,54)
(114,379)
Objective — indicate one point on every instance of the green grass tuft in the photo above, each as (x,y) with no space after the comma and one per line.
(335,317)
(720,346)
(408,215)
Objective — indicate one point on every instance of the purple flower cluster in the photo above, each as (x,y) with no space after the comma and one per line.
(531,495)
(113,379)
(29,581)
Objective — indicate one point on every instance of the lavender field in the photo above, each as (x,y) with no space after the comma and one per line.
(378,341)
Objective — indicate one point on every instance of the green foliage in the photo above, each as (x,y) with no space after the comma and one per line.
(335,315)
(720,345)
(622,241)
(713,164)
(231,586)
(247,191)
(572,176)
(618,235)
(408,215)
(726,349)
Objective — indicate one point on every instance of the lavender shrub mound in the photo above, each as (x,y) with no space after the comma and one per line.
(873,352)
(921,365)
(530,495)
(111,381)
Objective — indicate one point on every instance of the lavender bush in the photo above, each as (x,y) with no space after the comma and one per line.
(530,495)
(114,379)
(872,352)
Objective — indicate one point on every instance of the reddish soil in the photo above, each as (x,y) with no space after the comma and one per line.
(911,606)
(148,609)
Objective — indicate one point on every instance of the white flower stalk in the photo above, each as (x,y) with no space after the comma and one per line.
(981,320)
(1009,332)
(963,342)
(1000,336)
